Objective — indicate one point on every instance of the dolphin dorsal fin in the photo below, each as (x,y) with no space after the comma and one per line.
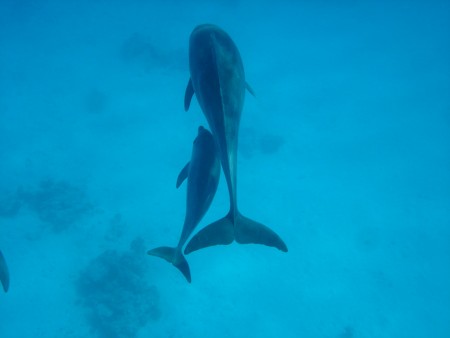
(188,95)
(183,174)
(250,89)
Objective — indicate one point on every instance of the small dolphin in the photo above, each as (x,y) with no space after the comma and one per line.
(202,173)
(218,81)
(4,274)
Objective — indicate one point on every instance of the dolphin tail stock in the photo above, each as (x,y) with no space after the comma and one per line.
(248,231)
(4,274)
(174,256)
(242,229)
(220,232)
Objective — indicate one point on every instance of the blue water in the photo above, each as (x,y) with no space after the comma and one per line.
(344,152)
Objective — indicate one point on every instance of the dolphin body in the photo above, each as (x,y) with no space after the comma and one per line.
(218,81)
(202,173)
(4,274)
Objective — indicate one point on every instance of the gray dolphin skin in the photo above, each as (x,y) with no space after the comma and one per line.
(218,81)
(202,173)
(4,274)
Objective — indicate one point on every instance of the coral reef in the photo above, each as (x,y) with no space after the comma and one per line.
(251,142)
(115,293)
(270,144)
(142,50)
(10,204)
(58,204)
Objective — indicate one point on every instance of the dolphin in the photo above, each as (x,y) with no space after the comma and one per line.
(4,274)
(202,173)
(218,81)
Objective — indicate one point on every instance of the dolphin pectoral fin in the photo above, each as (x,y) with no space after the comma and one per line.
(174,256)
(188,95)
(183,175)
(248,231)
(4,274)
(250,89)
(220,232)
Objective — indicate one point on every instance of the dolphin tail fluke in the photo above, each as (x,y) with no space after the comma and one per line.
(248,231)
(4,274)
(220,232)
(174,256)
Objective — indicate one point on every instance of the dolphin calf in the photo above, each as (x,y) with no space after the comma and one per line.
(202,173)
(4,274)
(218,81)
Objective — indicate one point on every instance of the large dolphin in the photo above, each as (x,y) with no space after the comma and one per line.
(202,173)
(218,81)
(4,274)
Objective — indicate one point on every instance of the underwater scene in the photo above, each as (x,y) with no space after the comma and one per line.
(225,168)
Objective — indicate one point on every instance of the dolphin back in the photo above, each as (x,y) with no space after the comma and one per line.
(242,229)
(4,274)
(174,256)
